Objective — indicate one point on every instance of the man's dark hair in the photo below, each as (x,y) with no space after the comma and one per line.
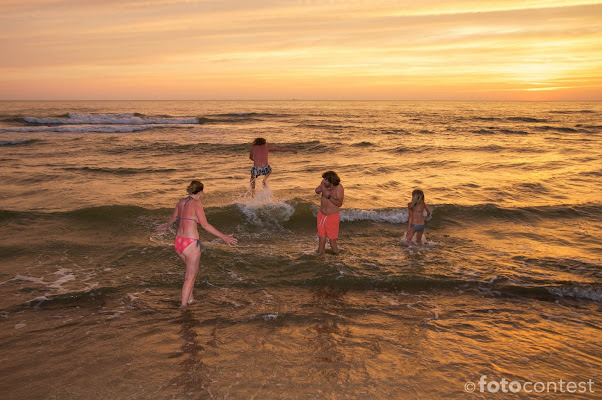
(259,141)
(332,177)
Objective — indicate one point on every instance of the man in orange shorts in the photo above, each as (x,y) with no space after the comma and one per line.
(328,216)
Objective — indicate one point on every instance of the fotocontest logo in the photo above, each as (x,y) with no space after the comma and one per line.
(483,385)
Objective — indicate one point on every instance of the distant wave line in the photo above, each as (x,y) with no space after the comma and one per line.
(108,119)
(78,129)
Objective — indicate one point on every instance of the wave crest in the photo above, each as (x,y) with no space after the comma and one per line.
(109,119)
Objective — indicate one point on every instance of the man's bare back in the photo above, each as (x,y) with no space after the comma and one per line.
(259,154)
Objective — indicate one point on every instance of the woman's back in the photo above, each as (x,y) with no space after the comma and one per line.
(187,217)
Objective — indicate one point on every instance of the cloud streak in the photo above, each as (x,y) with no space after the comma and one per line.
(240,49)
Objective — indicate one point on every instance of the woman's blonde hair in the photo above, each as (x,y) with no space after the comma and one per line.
(417,198)
(194,187)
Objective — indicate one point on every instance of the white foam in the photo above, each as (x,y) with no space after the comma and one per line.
(116,315)
(14,142)
(79,129)
(27,279)
(38,300)
(577,292)
(110,119)
(390,300)
(235,277)
(132,297)
(264,210)
(57,285)
(61,281)
(394,215)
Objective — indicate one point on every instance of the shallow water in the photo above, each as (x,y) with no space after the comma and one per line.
(508,285)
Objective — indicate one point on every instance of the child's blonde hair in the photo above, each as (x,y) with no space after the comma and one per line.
(417,198)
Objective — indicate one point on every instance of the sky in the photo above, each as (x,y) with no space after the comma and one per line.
(301,49)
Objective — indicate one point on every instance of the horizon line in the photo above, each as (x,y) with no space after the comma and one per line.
(295,99)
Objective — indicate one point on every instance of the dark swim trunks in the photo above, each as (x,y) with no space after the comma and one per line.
(256,171)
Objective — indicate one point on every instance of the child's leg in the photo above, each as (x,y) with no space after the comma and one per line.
(252,183)
(334,246)
(419,237)
(409,234)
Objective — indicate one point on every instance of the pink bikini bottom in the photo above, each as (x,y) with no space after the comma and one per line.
(182,243)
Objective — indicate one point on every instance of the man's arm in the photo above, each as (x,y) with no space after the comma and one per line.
(336,195)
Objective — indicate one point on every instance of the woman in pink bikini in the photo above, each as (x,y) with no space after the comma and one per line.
(189,212)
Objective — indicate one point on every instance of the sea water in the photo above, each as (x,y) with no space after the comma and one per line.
(508,285)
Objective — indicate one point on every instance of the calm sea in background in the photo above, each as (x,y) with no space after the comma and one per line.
(508,285)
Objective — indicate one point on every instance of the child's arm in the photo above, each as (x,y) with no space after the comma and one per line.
(274,148)
(428,212)
(251,154)
(409,215)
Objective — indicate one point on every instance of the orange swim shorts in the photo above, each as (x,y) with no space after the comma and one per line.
(328,225)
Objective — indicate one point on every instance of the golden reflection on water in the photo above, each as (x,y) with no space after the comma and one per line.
(322,344)
(84,313)
(394,345)
(193,377)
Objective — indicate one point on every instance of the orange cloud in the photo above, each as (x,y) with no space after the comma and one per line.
(354,49)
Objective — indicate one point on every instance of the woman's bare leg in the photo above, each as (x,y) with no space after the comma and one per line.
(191,257)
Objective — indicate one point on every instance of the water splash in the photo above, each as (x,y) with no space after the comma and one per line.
(264,210)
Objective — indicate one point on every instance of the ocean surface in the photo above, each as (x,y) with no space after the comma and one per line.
(508,286)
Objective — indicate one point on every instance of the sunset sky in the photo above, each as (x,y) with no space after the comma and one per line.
(303,49)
